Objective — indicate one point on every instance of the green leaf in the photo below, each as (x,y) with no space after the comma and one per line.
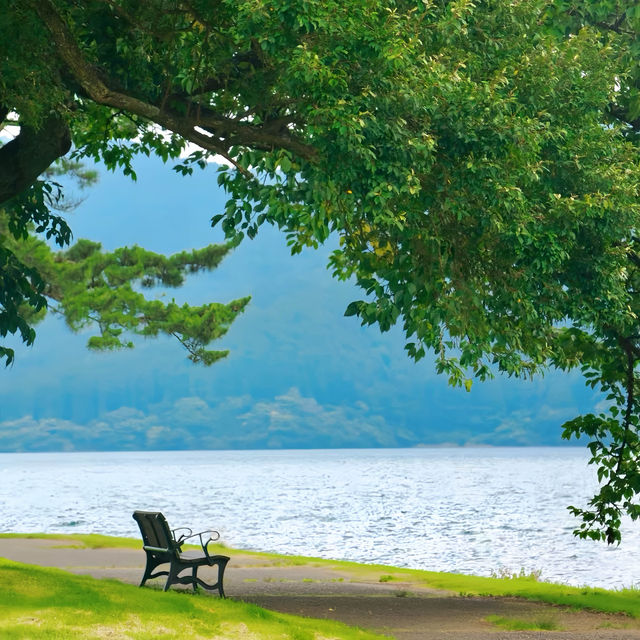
(353,308)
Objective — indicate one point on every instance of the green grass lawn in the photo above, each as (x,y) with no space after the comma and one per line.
(610,601)
(51,604)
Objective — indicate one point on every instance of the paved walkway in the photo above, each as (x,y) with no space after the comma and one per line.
(403,611)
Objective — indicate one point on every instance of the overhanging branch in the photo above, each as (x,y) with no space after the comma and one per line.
(226,132)
(30,153)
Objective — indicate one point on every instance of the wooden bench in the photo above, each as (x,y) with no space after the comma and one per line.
(163,547)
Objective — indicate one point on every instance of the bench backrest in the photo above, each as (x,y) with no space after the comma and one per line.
(155,531)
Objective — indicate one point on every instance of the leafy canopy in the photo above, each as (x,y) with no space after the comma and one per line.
(478,161)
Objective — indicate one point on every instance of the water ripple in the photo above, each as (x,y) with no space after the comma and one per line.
(468,510)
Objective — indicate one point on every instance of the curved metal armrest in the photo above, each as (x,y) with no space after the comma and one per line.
(205,543)
(182,537)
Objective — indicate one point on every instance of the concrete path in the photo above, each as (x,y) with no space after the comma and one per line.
(402,611)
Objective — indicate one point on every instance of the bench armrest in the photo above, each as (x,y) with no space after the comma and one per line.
(205,543)
(183,536)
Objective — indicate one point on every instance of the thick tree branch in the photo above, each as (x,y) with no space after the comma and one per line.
(219,83)
(620,113)
(226,132)
(616,25)
(630,388)
(634,257)
(25,157)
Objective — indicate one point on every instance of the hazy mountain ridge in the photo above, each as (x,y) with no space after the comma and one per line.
(289,421)
(299,374)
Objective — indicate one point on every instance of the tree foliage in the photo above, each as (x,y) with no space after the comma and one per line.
(90,288)
(478,161)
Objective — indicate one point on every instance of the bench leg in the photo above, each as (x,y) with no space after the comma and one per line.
(147,573)
(222,565)
(172,577)
(148,570)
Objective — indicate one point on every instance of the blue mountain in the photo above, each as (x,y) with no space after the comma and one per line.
(299,374)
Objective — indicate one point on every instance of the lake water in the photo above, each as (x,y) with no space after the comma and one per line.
(473,511)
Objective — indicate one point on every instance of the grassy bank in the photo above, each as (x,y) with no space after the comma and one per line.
(38,603)
(81,540)
(625,601)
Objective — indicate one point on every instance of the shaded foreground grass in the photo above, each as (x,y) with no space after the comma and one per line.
(625,601)
(38,602)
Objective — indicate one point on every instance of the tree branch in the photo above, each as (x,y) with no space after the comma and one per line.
(226,131)
(633,256)
(620,113)
(30,153)
(217,83)
(615,26)
(630,389)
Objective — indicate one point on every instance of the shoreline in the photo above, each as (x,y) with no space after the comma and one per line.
(473,511)
(626,601)
(402,604)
